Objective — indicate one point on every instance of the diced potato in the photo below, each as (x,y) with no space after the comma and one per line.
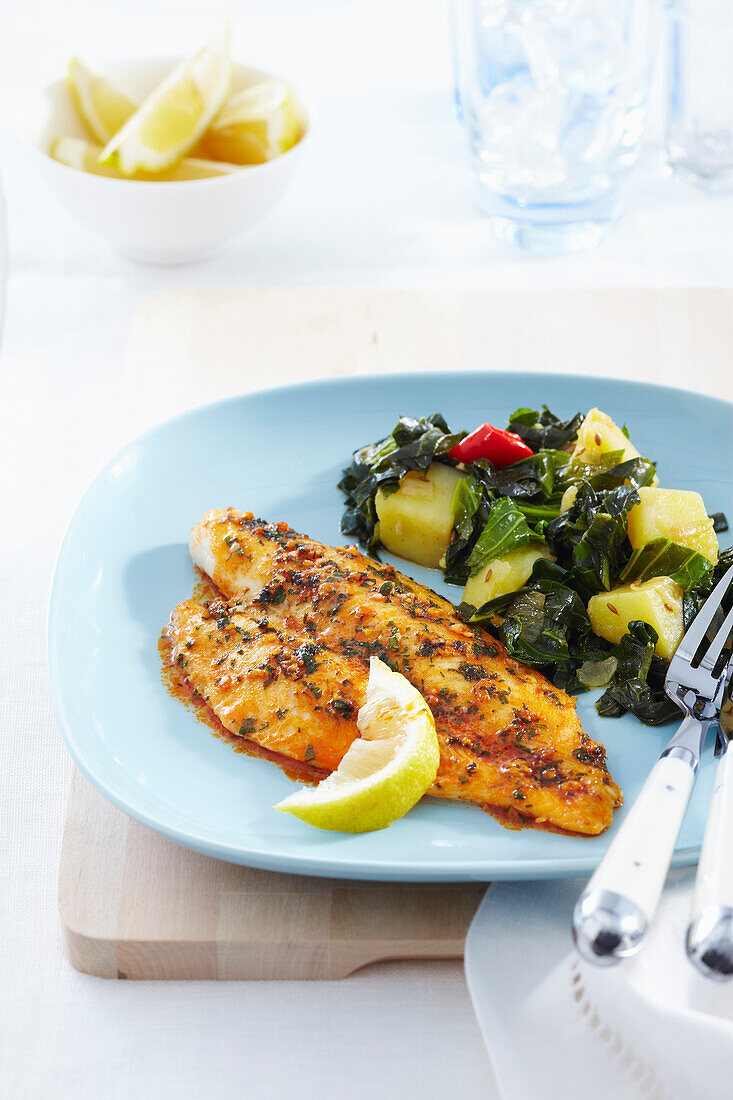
(597,436)
(676,514)
(416,522)
(657,602)
(503,575)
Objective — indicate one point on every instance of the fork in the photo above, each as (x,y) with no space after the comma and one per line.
(710,932)
(615,909)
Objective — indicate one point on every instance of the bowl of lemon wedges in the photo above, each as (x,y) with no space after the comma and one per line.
(168,160)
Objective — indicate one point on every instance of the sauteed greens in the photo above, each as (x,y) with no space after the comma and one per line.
(572,556)
(413,445)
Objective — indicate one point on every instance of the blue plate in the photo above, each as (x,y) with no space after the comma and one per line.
(124,564)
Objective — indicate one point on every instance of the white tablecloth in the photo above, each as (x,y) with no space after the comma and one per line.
(384,198)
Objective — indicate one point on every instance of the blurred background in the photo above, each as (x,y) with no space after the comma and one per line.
(385,194)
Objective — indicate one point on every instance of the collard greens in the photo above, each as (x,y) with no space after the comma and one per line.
(498,509)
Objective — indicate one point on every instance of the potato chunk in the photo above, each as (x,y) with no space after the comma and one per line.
(657,602)
(416,522)
(503,575)
(676,514)
(598,435)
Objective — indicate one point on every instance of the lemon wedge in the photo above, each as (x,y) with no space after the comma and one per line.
(385,771)
(84,155)
(256,124)
(175,115)
(101,106)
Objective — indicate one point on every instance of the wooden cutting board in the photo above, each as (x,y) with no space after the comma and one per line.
(134,905)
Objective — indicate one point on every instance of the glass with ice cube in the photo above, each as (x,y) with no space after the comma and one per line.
(700,118)
(553,95)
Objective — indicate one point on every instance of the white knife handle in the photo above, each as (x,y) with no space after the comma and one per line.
(618,903)
(710,933)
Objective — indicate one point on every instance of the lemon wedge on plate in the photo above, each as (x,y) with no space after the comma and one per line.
(101,106)
(84,155)
(175,115)
(385,771)
(256,124)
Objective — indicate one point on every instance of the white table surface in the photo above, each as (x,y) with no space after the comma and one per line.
(384,199)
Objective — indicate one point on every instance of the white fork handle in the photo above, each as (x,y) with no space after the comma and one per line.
(710,933)
(618,903)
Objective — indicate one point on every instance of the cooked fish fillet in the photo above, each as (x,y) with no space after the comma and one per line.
(274,695)
(510,741)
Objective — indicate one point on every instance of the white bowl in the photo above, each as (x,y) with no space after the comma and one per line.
(152,222)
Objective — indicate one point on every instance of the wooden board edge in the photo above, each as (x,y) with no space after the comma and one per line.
(85,926)
(96,957)
(182,961)
(262,961)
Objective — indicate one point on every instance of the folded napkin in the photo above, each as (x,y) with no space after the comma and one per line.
(557,1028)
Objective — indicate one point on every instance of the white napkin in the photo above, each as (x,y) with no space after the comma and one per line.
(557,1028)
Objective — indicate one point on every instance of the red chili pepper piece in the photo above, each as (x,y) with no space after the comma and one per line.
(500,447)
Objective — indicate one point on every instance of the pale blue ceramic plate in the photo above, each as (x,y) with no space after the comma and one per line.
(124,565)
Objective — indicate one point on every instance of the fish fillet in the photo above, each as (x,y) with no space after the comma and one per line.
(267,689)
(510,741)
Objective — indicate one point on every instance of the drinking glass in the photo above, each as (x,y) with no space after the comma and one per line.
(3,261)
(700,117)
(553,95)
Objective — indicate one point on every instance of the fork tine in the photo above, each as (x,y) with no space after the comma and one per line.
(693,638)
(710,657)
